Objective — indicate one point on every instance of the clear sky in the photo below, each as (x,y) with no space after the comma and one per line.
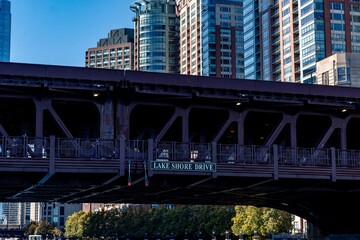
(58,32)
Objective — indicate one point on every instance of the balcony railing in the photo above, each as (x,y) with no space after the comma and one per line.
(64,148)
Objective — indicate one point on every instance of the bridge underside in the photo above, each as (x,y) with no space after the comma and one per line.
(322,202)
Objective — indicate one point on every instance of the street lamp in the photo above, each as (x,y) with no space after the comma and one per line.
(213,235)
(256,236)
(172,236)
(186,236)
(240,235)
(200,236)
(227,235)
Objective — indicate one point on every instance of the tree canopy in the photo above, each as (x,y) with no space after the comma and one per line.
(249,219)
(42,228)
(191,220)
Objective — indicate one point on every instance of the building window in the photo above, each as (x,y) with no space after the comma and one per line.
(325,78)
(343,75)
(62,210)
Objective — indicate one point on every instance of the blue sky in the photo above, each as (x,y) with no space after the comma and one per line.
(58,32)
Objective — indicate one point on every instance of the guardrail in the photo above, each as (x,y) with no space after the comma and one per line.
(30,147)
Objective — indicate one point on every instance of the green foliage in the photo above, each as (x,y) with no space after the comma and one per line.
(74,225)
(42,228)
(138,221)
(30,230)
(249,219)
(195,220)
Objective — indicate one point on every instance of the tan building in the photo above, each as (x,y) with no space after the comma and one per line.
(94,207)
(190,36)
(339,69)
(113,52)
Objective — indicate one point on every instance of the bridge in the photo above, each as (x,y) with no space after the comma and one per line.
(71,134)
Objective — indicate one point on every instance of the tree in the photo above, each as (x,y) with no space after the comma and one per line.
(30,230)
(249,219)
(44,228)
(56,232)
(275,221)
(74,225)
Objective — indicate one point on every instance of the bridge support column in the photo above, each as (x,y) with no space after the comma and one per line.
(122,118)
(39,118)
(107,119)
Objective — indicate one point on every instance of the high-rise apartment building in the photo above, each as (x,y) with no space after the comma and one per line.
(11,214)
(275,40)
(270,50)
(18,215)
(301,33)
(113,52)
(35,212)
(272,42)
(189,12)
(211,37)
(5,30)
(251,39)
(156,29)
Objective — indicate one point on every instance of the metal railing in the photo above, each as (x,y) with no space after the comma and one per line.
(30,147)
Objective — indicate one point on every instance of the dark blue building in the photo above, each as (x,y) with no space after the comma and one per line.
(5,30)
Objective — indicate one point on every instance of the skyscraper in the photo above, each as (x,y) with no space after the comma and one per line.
(302,32)
(251,40)
(211,37)
(5,30)
(156,29)
(12,214)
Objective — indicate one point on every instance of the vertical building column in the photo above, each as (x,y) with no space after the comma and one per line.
(233,52)
(218,50)
(347,25)
(327,28)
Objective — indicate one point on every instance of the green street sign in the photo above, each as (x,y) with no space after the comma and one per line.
(183,166)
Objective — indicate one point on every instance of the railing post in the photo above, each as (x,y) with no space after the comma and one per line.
(213,152)
(333,164)
(276,162)
(52,155)
(77,148)
(122,149)
(150,156)
(214,157)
